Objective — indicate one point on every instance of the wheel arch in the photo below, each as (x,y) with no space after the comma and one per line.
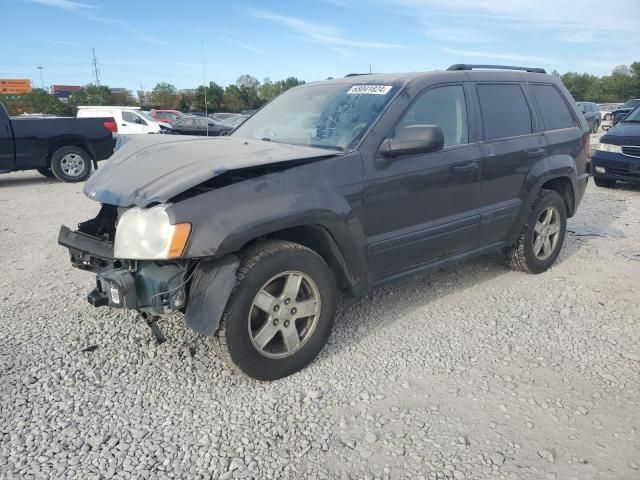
(68,141)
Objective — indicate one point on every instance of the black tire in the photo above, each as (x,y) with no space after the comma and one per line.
(604,182)
(46,172)
(262,262)
(63,171)
(520,256)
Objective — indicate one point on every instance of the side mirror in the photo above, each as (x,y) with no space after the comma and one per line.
(413,139)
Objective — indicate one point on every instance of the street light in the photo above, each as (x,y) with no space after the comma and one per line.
(41,79)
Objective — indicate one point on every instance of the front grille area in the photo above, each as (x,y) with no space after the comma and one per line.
(632,151)
(623,173)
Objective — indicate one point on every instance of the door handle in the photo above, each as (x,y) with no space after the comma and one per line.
(123,124)
(535,152)
(465,168)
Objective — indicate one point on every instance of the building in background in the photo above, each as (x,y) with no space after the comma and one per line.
(63,92)
(10,86)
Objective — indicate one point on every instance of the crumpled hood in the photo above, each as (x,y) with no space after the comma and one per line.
(154,168)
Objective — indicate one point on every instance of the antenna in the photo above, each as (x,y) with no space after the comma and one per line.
(369,69)
(96,70)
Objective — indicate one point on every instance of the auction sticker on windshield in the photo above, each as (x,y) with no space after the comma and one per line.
(369,90)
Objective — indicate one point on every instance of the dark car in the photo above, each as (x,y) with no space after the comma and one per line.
(58,146)
(591,113)
(617,156)
(219,116)
(192,125)
(341,185)
(618,114)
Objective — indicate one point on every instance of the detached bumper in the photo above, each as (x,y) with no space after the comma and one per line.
(615,166)
(150,286)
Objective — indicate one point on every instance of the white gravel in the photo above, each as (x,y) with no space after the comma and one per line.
(470,372)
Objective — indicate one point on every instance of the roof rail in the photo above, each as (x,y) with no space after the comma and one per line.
(468,66)
(356,74)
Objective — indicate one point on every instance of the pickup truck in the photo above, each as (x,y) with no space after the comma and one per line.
(60,147)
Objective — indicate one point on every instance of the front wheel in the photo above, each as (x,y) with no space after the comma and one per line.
(71,164)
(280,313)
(542,236)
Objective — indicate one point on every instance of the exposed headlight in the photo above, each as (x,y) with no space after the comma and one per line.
(609,147)
(146,234)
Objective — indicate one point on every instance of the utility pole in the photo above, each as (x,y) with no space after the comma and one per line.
(96,71)
(41,78)
(204,82)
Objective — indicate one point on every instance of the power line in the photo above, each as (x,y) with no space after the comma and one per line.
(96,70)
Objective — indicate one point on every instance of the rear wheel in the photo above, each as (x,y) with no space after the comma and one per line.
(542,236)
(280,313)
(71,164)
(46,172)
(604,182)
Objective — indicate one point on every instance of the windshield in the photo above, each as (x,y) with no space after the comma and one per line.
(633,116)
(325,115)
(147,117)
(631,103)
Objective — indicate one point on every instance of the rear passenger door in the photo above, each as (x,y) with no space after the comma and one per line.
(512,145)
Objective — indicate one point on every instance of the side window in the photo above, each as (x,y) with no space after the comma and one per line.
(443,106)
(129,117)
(553,108)
(505,112)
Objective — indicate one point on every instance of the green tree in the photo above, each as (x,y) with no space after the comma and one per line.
(165,96)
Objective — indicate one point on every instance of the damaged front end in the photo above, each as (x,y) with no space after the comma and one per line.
(156,287)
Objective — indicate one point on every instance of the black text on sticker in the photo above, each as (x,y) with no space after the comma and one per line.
(369,90)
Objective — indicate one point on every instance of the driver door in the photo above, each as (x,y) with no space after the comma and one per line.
(420,208)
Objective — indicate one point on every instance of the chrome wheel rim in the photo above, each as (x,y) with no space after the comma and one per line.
(72,164)
(284,314)
(546,233)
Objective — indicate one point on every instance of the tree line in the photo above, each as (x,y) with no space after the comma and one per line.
(247,93)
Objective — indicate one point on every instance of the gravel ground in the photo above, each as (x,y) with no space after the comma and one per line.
(469,372)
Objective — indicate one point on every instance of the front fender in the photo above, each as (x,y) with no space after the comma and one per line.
(326,193)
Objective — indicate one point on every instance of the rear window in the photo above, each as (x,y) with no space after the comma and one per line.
(505,112)
(554,110)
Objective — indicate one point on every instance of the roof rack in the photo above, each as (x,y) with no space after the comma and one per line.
(356,74)
(467,66)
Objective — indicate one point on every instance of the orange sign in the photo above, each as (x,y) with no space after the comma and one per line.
(14,87)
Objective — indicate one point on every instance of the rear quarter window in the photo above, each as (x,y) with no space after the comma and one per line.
(505,112)
(553,107)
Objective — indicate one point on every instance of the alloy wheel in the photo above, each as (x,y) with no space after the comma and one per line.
(546,233)
(284,314)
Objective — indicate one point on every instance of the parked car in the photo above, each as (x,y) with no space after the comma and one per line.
(591,114)
(626,107)
(166,116)
(219,116)
(130,120)
(58,146)
(339,185)
(232,123)
(617,156)
(606,109)
(192,125)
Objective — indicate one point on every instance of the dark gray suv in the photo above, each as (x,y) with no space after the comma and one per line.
(333,186)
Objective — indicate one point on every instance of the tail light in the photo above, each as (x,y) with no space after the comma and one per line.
(111,126)
(587,149)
